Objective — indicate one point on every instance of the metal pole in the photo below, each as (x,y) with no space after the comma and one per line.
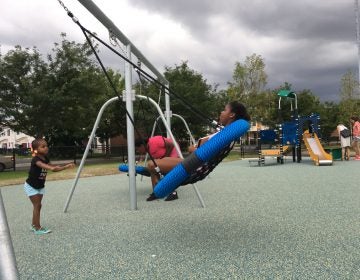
(129,98)
(8,269)
(91,138)
(168,112)
(357,38)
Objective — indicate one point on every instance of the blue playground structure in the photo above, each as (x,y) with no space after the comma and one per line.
(288,135)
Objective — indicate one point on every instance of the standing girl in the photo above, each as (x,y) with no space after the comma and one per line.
(356,136)
(35,183)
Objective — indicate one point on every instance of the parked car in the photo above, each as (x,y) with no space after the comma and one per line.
(6,162)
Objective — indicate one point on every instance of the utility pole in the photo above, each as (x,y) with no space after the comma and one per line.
(358,39)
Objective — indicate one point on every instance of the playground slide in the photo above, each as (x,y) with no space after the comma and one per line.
(316,150)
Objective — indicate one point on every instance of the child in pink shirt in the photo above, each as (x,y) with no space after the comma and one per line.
(160,147)
(356,136)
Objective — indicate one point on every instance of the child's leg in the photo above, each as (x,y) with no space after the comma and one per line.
(165,164)
(36,201)
(354,146)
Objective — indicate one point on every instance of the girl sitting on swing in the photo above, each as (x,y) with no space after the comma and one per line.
(233,111)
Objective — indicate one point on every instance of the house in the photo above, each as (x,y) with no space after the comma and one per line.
(252,135)
(10,139)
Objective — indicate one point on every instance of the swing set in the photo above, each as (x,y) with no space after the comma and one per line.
(193,168)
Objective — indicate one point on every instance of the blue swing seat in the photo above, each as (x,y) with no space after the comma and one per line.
(142,170)
(203,160)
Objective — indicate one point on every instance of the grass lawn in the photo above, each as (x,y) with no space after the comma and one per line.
(8,178)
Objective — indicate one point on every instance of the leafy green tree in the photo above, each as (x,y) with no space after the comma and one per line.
(308,103)
(21,73)
(192,87)
(249,80)
(349,86)
(329,118)
(349,97)
(58,98)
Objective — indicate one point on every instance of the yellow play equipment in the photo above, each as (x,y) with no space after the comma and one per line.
(316,150)
(274,152)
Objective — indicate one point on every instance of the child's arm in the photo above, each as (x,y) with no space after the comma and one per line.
(201,141)
(54,168)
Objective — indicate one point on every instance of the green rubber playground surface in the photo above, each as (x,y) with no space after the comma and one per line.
(291,221)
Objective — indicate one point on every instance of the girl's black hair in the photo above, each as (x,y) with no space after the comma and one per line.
(140,142)
(36,143)
(354,118)
(239,110)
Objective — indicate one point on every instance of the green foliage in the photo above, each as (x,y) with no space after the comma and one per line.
(349,86)
(249,80)
(329,118)
(58,98)
(192,87)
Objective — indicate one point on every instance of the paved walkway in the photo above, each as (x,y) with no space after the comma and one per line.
(291,221)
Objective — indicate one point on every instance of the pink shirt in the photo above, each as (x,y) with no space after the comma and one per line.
(157,148)
(356,129)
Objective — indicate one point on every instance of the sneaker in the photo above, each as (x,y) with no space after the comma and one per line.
(172,196)
(42,230)
(151,197)
(32,228)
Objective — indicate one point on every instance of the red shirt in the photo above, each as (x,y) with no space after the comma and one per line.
(157,147)
(356,129)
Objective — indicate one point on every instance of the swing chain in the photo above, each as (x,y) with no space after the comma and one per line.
(70,14)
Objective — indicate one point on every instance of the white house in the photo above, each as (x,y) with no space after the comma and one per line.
(10,139)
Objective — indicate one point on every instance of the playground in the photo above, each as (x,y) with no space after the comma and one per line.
(297,219)
(275,222)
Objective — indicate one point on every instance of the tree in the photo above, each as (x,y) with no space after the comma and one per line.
(21,72)
(249,80)
(329,118)
(59,98)
(349,86)
(349,94)
(192,87)
(308,102)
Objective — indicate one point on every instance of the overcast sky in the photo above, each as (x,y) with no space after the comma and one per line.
(307,43)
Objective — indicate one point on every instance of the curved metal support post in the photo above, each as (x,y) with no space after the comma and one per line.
(163,120)
(88,146)
(8,268)
(187,128)
(161,115)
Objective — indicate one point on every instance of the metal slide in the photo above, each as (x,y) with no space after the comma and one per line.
(316,150)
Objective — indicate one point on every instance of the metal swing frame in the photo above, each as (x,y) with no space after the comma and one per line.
(133,200)
(128,97)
